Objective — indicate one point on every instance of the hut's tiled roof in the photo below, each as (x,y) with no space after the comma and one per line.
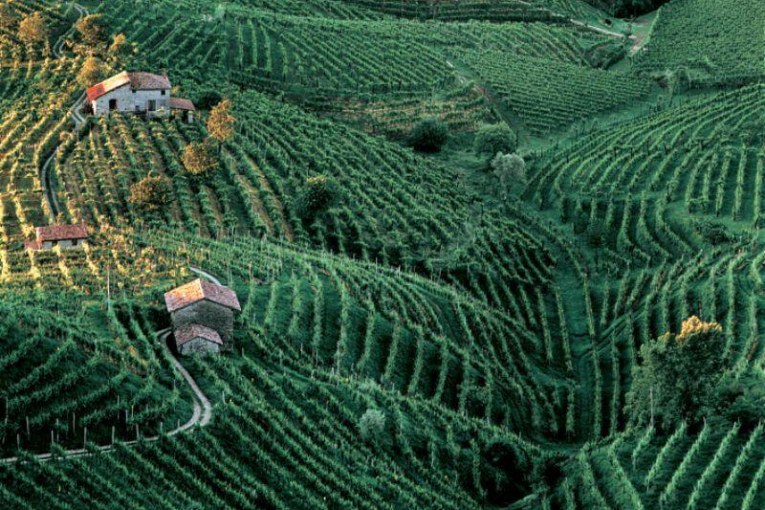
(189,332)
(61,232)
(177,103)
(199,290)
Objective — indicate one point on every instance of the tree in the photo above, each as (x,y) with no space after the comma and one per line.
(221,123)
(316,196)
(429,135)
(151,193)
(8,17)
(494,138)
(92,71)
(679,376)
(199,158)
(91,29)
(510,169)
(372,426)
(33,30)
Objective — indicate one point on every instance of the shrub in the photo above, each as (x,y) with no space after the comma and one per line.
(429,135)
(495,138)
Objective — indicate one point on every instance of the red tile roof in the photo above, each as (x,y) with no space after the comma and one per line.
(200,290)
(189,332)
(176,103)
(61,232)
(108,85)
(137,81)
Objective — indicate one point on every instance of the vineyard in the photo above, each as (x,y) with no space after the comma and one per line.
(713,42)
(478,321)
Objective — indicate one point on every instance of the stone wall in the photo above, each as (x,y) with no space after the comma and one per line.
(127,101)
(199,346)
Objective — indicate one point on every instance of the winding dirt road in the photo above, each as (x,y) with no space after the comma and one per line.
(45,180)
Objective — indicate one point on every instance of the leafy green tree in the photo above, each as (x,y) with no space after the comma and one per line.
(151,193)
(495,138)
(679,376)
(199,158)
(510,170)
(33,30)
(372,425)
(429,135)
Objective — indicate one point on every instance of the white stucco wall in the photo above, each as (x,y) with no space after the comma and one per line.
(127,100)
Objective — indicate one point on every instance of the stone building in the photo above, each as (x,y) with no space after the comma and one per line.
(197,339)
(63,236)
(136,92)
(206,304)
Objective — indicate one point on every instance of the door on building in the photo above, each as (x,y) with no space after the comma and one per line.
(152,105)
(112,104)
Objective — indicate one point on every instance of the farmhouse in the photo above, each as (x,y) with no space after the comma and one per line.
(205,304)
(137,92)
(197,339)
(64,236)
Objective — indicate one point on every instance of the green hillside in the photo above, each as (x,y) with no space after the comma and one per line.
(491,254)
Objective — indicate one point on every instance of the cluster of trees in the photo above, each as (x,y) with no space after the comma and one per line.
(201,158)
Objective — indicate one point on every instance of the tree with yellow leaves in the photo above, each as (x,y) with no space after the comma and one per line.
(33,30)
(221,123)
(679,376)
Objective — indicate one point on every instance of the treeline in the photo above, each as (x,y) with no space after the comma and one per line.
(627,8)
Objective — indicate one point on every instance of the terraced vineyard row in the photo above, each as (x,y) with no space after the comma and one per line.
(549,96)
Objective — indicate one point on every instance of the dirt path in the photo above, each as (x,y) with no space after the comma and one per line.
(45,181)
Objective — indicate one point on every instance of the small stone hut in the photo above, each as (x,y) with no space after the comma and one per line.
(63,236)
(197,339)
(206,304)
